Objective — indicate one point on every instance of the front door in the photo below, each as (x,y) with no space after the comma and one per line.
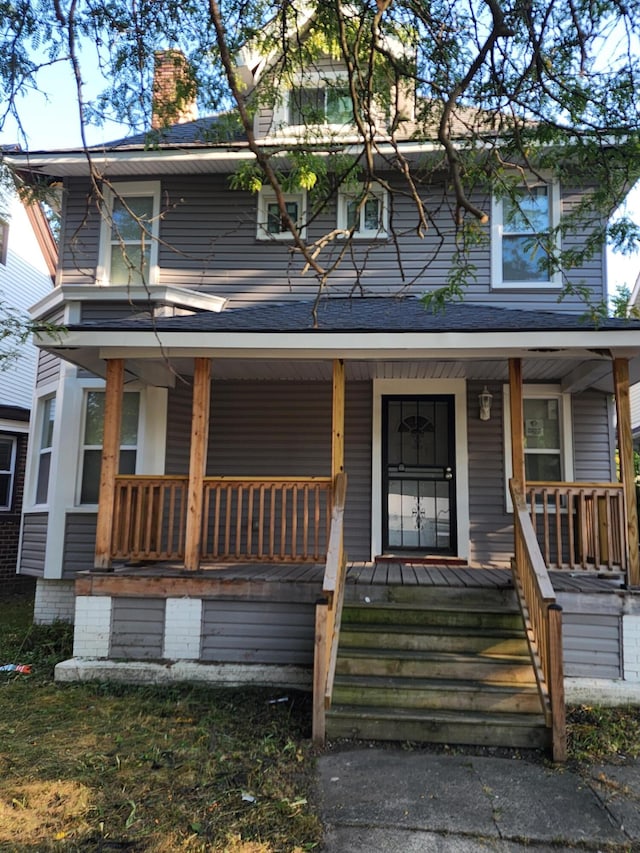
(418,502)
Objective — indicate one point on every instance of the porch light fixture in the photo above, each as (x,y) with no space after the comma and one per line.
(485,399)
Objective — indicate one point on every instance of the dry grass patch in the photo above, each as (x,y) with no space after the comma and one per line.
(97,767)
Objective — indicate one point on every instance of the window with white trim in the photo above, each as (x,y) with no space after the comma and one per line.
(524,235)
(364,212)
(271,223)
(93,437)
(548,434)
(48,415)
(129,236)
(320,104)
(8,448)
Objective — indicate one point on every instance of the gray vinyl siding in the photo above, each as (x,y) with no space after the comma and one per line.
(282,429)
(137,628)
(214,230)
(258,632)
(491,531)
(79,543)
(81,235)
(34,542)
(592,645)
(48,368)
(593,438)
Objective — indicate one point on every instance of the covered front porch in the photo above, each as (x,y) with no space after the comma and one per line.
(204,519)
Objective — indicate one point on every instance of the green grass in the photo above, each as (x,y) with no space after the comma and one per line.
(597,733)
(96,767)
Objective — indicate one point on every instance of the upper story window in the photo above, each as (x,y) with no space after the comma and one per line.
(271,223)
(363,212)
(8,445)
(93,436)
(4,241)
(523,237)
(320,104)
(129,237)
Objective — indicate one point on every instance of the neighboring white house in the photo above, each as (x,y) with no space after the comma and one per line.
(28,258)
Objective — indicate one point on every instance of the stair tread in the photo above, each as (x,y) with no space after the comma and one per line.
(409,683)
(364,712)
(439,630)
(427,655)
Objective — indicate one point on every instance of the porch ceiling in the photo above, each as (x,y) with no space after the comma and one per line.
(574,374)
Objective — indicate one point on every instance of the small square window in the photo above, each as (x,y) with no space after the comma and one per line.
(363,213)
(314,105)
(271,222)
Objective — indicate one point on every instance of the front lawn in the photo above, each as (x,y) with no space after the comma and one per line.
(96,767)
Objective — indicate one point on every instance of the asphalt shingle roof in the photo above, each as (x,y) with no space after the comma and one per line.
(365,314)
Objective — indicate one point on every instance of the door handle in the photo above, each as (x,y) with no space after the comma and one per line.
(448,473)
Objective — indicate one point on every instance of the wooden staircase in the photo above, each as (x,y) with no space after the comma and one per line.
(439,665)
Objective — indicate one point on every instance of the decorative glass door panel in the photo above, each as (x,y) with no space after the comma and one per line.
(419,481)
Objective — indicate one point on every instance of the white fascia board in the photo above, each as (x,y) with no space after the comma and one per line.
(14,426)
(137,343)
(179,297)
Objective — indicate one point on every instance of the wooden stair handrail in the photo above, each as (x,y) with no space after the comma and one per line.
(329,613)
(543,620)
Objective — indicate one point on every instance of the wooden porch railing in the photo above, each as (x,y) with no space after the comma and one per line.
(149,518)
(543,620)
(329,614)
(580,526)
(274,519)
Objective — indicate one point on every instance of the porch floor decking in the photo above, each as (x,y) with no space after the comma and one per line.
(307,578)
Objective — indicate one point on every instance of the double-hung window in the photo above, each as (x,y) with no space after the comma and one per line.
(548,443)
(93,437)
(45,446)
(8,445)
(524,237)
(363,212)
(271,223)
(129,239)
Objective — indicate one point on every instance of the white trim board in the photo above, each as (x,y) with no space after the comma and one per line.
(457,388)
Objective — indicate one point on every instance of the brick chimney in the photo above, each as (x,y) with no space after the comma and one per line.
(174,90)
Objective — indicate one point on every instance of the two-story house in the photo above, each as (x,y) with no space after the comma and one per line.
(28,258)
(195,426)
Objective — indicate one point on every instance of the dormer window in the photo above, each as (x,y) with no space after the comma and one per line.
(523,237)
(309,105)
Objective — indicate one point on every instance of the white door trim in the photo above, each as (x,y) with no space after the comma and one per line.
(456,388)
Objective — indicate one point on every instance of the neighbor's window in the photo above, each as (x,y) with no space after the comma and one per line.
(93,439)
(8,446)
(44,449)
(328,104)
(271,223)
(4,241)
(523,236)
(363,213)
(130,230)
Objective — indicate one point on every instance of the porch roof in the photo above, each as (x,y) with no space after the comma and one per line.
(367,314)
(571,348)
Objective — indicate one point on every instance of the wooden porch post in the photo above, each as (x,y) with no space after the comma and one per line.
(337,426)
(197,461)
(517,423)
(627,474)
(110,461)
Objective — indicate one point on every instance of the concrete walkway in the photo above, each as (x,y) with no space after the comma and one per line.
(376,800)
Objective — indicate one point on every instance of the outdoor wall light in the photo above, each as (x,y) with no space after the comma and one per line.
(485,399)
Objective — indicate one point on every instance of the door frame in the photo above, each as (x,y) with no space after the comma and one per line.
(456,388)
